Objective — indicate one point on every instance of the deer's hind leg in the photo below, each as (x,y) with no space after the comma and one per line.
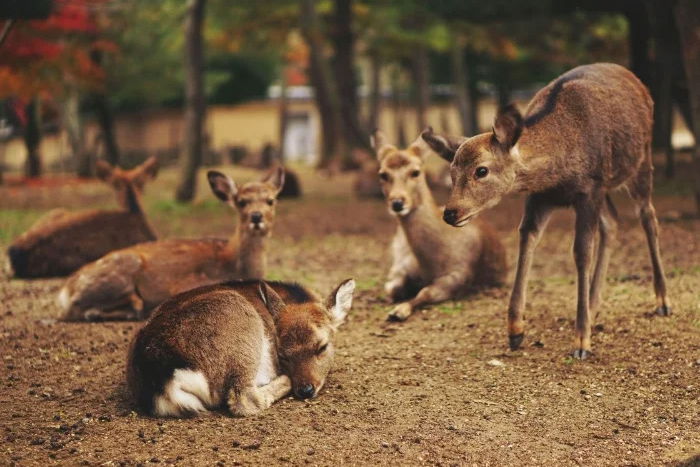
(640,191)
(607,227)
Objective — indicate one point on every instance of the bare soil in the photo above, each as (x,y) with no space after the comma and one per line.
(439,389)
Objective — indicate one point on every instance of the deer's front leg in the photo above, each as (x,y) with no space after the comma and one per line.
(252,400)
(537,214)
(440,290)
(587,217)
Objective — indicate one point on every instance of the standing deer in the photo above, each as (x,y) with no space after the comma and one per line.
(243,344)
(61,242)
(585,134)
(128,283)
(432,262)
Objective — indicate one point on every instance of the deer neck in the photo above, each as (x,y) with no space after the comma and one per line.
(248,253)
(536,166)
(131,201)
(423,223)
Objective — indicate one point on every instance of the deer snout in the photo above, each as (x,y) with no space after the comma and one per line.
(450,216)
(305,391)
(256,217)
(397,204)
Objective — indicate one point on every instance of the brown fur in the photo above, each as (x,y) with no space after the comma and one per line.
(61,242)
(128,283)
(221,331)
(431,261)
(585,134)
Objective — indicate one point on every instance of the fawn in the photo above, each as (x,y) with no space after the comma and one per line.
(585,134)
(431,262)
(128,283)
(61,242)
(243,344)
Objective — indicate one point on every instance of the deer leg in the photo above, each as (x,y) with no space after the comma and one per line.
(252,399)
(440,290)
(587,219)
(608,230)
(537,214)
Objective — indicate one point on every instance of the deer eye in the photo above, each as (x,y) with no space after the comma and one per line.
(270,201)
(321,349)
(384,176)
(415,173)
(481,172)
(242,203)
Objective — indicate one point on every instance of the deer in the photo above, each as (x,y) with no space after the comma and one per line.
(431,262)
(583,136)
(128,283)
(61,242)
(241,344)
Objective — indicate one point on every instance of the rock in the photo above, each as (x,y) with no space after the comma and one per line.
(495,362)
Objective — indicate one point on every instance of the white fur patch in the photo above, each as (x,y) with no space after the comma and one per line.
(266,368)
(63,299)
(343,301)
(187,392)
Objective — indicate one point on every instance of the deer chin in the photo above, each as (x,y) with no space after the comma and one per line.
(260,228)
(465,220)
(402,213)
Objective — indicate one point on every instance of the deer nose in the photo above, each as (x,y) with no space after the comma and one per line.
(397,205)
(307,391)
(450,216)
(256,217)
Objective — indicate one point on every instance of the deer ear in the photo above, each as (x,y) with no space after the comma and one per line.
(103,169)
(444,146)
(275,178)
(272,301)
(223,187)
(378,142)
(149,168)
(508,126)
(340,301)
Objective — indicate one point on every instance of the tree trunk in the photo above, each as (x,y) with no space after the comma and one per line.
(32,139)
(375,97)
(420,69)
(461,87)
(322,81)
(639,42)
(663,30)
(73,124)
(283,115)
(688,20)
(473,96)
(343,40)
(105,119)
(194,101)
(398,111)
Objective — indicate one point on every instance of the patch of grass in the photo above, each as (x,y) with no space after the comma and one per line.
(450,308)
(568,360)
(14,222)
(367,283)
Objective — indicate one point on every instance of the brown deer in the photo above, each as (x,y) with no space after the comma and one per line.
(431,262)
(242,344)
(61,242)
(128,283)
(585,134)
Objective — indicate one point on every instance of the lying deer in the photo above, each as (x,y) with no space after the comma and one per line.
(128,283)
(585,134)
(243,344)
(61,242)
(431,261)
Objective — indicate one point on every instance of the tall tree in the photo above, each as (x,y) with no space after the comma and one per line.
(32,139)
(687,14)
(194,101)
(461,87)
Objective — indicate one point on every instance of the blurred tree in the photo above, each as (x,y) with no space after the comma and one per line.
(191,156)
(687,13)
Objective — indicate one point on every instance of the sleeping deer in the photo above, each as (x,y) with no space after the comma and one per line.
(241,344)
(584,135)
(61,242)
(128,283)
(431,261)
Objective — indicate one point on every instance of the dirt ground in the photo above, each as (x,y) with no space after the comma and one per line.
(439,389)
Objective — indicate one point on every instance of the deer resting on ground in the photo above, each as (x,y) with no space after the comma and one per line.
(241,344)
(431,262)
(61,242)
(129,283)
(584,135)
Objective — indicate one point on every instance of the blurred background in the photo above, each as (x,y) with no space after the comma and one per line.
(211,82)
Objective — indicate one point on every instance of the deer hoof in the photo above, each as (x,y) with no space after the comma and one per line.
(400,313)
(93,314)
(663,310)
(515,341)
(581,354)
